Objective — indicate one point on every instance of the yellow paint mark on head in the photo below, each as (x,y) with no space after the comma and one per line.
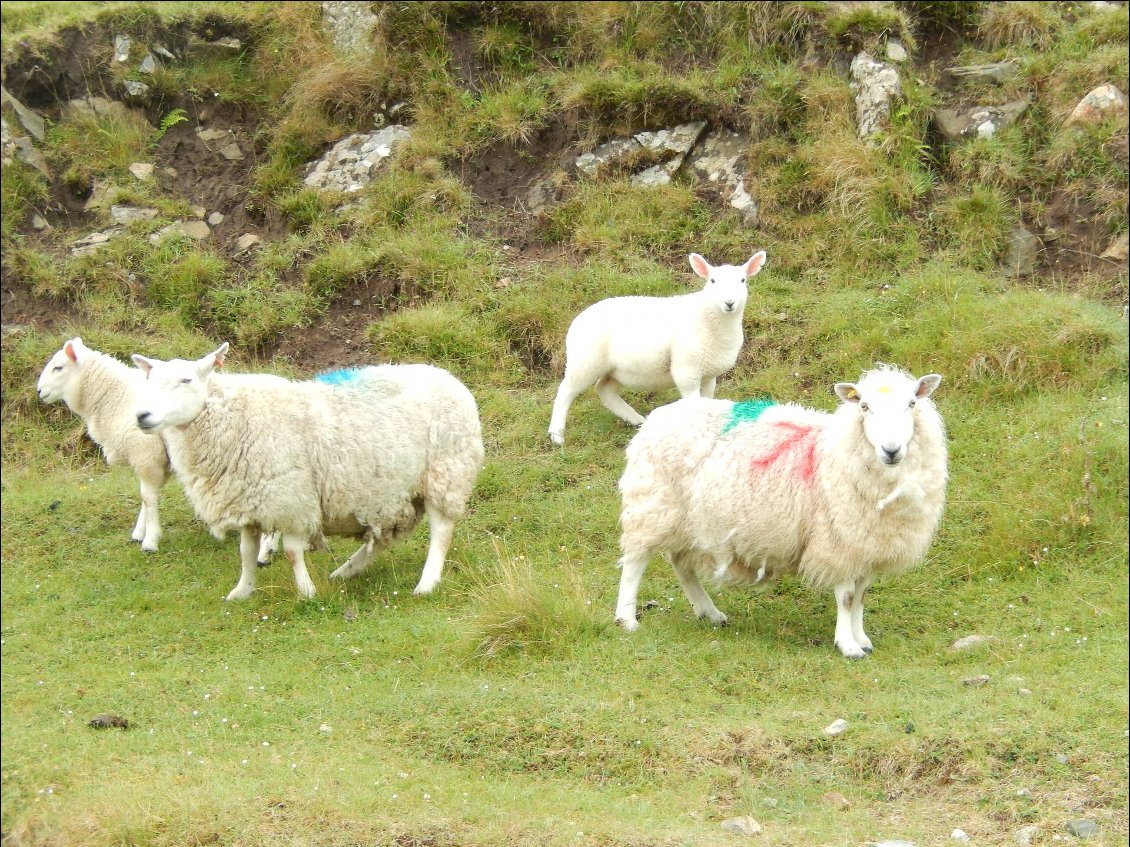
(884,389)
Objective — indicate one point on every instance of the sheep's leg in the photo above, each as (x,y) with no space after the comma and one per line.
(248,548)
(861,586)
(708,386)
(845,602)
(295,548)
(689,382)
(268,546)
(570,388)
(139,527)
(150,517)
(703,606)
(360,560)
(440,528)
(633,567)
(606,389)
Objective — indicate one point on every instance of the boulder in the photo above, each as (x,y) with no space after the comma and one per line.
(90,243)
(1023,250)
(875,85)
(980,121)
(129,214)
(349,24)
(86,108)
(719,161)
(354,162)
(148,65)
(28,119)
(122,45)
(997,72)
(1102,101)
(136,92)
(201,50)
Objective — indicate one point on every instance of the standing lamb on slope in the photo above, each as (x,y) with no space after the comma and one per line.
(656,343)
(744,492)
(102,391)
(362,453)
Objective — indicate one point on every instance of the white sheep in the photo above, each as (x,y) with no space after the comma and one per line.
(103,391)
(363,452)
(656,343)
(744,492)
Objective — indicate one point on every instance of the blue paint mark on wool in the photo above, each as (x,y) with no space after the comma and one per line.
(341,376)
(747,411)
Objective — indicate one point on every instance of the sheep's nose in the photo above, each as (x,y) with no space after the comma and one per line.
(891,455)
(143,418)
(729,305)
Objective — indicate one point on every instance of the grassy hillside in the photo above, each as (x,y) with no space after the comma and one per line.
(507,709)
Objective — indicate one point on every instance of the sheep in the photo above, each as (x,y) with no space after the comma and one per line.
(745,492)
(101,390)
(656,343)
(362,453)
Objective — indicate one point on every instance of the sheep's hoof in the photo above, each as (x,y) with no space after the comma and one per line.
(631,625)
(149,548)
(240,592)
(259,564)
(557,438)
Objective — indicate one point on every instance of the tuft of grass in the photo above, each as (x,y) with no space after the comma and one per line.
(1020,24)
(864,26)
(975,225)
(23,189)
(88,146)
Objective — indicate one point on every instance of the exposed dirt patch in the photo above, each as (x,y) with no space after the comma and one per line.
(339,339)
(1081,240)
(21,308)
(504,174)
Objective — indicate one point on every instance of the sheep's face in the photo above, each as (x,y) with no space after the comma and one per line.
(60,371)
(726,285)
(886,400)
(174,392)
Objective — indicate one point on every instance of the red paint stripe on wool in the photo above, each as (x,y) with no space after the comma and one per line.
(797,444)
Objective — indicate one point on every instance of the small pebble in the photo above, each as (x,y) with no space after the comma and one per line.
(745,825)
(836,727)
(1025,834)
(959,835)
(1083,829)
(837,800)
(976,681)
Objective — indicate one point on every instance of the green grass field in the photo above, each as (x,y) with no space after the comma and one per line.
(507,708)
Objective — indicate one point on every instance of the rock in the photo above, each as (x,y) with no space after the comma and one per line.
(896,52)
(136,92)
(129,214)
(1025,834)
(719,160)
(198,212)
(21,148)
(1102,101)
(678,141)
(148,64)
(99,196)
(836,800)
(122,46)
(997,72)
(976,681)
(349,23)
(970,641)
(246,241)
(1061,758)
(27,118)
(211,134)
(107,721)
(1024,692)
(215,219)
(39,223)
(836,727)
(86,108)
(231,152)
(616,150)
(978,122)
(163,52)
(395,110)
(541,195)
(1023,250)
(196,230)
(200,50)
(141,170)
(7,330)
(959,835)
(1118,249)
(94,241)
(744,825)
(875,85)
(354,161)
(1083,828)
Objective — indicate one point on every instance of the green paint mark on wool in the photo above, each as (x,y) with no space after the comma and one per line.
(747,411)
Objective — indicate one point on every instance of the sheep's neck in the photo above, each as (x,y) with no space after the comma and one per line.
(92,394)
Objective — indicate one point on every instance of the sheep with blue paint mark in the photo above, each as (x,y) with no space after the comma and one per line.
(362,453)
(745,492)
(655,343)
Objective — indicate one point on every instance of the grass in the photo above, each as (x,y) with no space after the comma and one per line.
(507,709)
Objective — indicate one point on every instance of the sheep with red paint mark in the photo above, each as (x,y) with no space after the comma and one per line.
(744,492)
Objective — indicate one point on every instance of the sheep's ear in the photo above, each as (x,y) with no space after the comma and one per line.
(143,363)
(926,385)
(221,353)
(847,392)
(700,266)
(215,359)
(754,265)
(72,348)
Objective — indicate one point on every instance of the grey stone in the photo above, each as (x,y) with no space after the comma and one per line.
(215,219)
(896,52)
(195,230)
(354,162)
(349,23)
(836,800)
(99,196)
(1082,828)
(1024,692)
(27,118)
(679,139)
(1025,834)
(980,121)
(246,241)
(231,152)
(163,52)
(200,49)
(1117,249)
(1061,758)
(98,107)
(744,825)
(136,92)
(719,160)
(976,681)
(148,64)
(129,214)
(122,45)
(142,170)
(616,150)
(996,72)
(541,195)
(94,241)
(39,223)
(1023,250)
(836,727)
(211,134)
(198,212)
(20,147)
(12,329)
(1097,104)
(875,85)
(970,641)
(395,110)
(960,835)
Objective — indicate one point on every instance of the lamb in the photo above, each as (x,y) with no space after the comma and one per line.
(656,343)
(744,492)
(101,390)
(364,453)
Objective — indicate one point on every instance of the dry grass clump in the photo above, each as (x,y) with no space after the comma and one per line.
(1019,24)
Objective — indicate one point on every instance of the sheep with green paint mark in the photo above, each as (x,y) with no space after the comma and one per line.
(744,492)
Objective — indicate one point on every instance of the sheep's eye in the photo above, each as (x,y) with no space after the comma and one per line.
(863,407)
(57,368)
(186,380)
(911,404)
